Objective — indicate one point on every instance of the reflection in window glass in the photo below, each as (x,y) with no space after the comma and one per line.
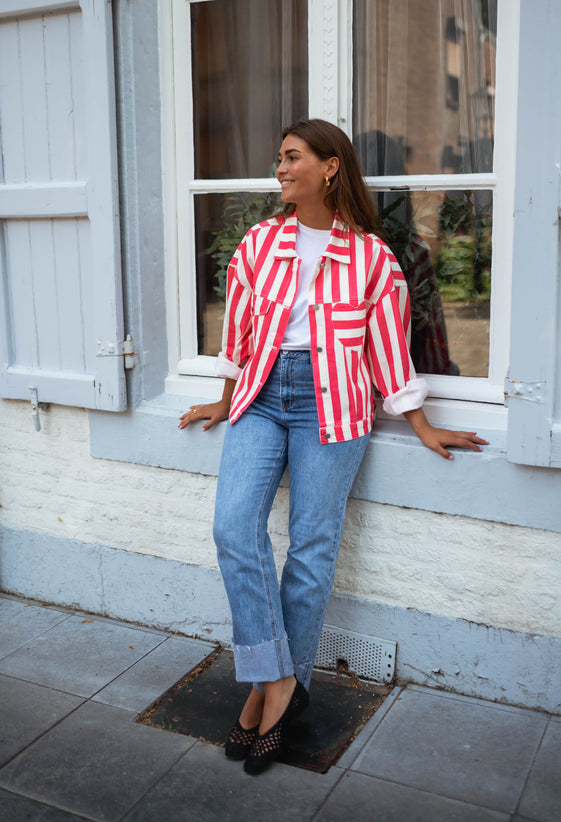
(442,240)
(250,79)
(424,85)
(221,220)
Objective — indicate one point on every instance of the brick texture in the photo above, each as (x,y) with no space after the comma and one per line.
(489,573)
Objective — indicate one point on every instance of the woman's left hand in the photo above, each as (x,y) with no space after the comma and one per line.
(437,438)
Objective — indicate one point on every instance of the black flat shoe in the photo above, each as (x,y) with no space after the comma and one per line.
(267,747)
(239,742)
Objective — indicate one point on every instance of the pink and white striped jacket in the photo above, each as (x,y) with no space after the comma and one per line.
(360,325)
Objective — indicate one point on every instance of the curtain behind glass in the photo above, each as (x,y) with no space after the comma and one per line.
(250,79)
(423,87)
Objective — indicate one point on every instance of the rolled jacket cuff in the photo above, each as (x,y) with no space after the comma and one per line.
(408,398)
(226,368)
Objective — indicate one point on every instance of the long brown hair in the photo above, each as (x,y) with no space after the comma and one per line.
(347,194)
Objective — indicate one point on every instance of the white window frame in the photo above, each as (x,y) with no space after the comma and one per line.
(453,400)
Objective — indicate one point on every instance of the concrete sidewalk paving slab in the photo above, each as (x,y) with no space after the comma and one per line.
(123,623)
(204,785)
(28,711)
(357,745)
(21,622)
(541,799)
(472,700)
(465,751)
(154,674)
(20,809)
(80,655)
(367,799)
(96,763)
(424,755)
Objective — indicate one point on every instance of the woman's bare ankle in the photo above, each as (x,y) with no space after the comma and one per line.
(277,697)
(252,711)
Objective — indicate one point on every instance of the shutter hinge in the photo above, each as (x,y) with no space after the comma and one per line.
(117,348)
(35,406)
(524,390)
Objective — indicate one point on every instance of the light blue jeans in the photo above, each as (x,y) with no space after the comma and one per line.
(276,629)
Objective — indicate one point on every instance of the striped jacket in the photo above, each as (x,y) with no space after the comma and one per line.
(359,322)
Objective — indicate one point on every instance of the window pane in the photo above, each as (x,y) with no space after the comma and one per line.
(442,240)
(423,85)
(250,79)
(221,220)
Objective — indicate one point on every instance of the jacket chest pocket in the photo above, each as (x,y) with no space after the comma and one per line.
(349,327)
(349,322)
(265,315)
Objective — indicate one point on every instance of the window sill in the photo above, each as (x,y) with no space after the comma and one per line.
(457,413)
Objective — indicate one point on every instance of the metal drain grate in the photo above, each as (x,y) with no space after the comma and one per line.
(366,656)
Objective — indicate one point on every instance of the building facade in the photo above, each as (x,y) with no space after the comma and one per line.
(134,136)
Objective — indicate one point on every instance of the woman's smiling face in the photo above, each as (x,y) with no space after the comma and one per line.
(301,172)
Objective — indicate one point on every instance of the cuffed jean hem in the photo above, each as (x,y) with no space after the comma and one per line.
(265,662)
(303,674)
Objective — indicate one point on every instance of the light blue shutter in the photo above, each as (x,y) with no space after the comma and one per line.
(59,225)
(535,307)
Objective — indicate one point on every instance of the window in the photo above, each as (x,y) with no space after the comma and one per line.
(413,83)
(423,116)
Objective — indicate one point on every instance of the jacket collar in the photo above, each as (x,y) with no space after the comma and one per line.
(338,247)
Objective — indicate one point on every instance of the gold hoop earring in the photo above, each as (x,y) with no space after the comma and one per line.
(327,182)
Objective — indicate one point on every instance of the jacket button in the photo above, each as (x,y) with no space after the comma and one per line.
(324,390)
(316,307)
(326,436)
(319,349)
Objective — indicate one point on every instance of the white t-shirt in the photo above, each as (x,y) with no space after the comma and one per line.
(310,245)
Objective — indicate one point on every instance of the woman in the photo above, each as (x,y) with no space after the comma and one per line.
(317,313)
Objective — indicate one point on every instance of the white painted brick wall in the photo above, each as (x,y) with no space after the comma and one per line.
(486,572)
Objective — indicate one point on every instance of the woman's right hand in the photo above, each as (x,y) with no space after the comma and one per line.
(214,412)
